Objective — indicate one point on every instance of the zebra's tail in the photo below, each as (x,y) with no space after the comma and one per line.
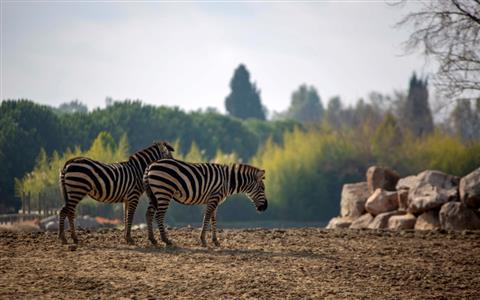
(62,177)
(62,182)
(148,190)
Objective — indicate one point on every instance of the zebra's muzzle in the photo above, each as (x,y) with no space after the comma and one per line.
(263,207)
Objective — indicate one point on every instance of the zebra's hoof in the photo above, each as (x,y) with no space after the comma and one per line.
(153,241)
(203,243)
(75,240)
(216,243)
(168,242)
(130,241)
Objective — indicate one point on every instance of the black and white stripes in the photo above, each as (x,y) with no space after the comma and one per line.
(202,183)
(111,183)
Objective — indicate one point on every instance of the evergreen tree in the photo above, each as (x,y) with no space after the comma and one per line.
(334,112)
(244,99)
(466,121)
(73,106)
(416,115)
(306,106)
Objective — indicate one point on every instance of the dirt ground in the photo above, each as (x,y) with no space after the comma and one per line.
(307,263)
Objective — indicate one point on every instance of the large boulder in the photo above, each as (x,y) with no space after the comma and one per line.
(402,222)
(428,220)
(87,222)
(470,189)
(362,222)
(402,199)
(431,190)
(53,226)
(381,221)
(353,199)
(52,219)
(381,201)
(406,183)
(340,222)
(457,216)
(381,178)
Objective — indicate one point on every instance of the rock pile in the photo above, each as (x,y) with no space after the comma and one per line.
(84,222)
(427,201)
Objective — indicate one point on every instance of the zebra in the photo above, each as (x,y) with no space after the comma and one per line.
(111,183)
(198,183)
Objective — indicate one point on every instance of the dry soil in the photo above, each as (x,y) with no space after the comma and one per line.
(308,263)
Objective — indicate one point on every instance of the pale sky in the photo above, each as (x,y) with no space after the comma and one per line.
(184,54)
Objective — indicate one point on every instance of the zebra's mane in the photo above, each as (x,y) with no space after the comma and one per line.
(152,146)
(246,166)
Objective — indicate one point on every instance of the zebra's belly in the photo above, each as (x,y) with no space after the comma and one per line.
(197,200)
(189,201)
(114,198)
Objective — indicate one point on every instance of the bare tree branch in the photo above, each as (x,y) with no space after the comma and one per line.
(449,32)
(460,8)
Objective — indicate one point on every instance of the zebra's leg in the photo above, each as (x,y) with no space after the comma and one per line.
(61,225)
(163,203)
(68,210)
(211,207)
(125,214)
(71,223)
(214,228)
(149,220)
(131,206)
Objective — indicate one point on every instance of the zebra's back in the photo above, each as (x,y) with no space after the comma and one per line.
(187,183)
(102,181)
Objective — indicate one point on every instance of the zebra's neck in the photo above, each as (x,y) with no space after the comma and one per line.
(236,179)
(140,161)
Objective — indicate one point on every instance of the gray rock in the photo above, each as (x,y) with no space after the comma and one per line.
(381,221)
(43,222)
(87,222)
(457,216)
(354,196)
(362,222)
(84,222)
(381,178)
(340,222)
(53,226)
(432,190)
(402,222)
(428,221)
(470,189)
(381,201)
(406,183)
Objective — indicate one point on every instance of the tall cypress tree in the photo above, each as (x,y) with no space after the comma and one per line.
(244,99)
(416,115)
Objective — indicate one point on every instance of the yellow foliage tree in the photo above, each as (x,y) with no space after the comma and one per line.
(43,181)
(194,155)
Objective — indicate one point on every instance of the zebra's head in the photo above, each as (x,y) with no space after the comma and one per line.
(256,191)
(165,150)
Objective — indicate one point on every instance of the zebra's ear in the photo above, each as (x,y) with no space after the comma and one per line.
(168,146)
(260,175)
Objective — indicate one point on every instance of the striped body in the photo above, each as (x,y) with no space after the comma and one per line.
(202,183)
(110,183)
